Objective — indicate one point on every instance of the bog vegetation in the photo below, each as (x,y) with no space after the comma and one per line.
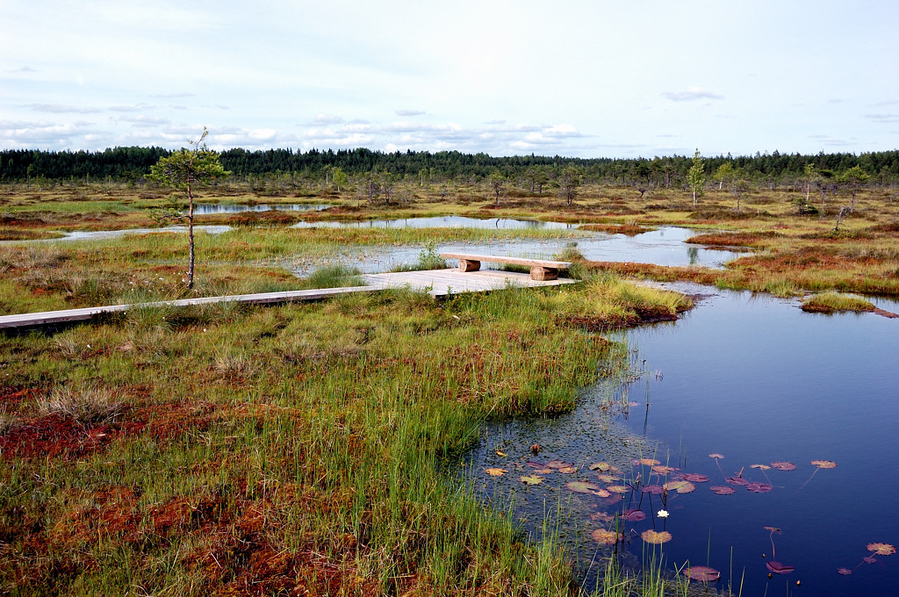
(299,449)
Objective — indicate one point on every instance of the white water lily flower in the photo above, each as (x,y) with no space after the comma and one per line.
(662,513)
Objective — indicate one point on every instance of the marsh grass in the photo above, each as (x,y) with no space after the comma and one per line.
(297,445)
(87,406)
(832,302)
(334,276)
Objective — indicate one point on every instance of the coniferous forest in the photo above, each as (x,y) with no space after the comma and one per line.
(133,163)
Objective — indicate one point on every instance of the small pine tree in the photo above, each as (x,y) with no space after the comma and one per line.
(696,177)
(183,170)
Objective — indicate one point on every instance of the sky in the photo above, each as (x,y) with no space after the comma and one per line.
(578,78)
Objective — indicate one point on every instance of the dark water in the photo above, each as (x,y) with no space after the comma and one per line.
(754,379)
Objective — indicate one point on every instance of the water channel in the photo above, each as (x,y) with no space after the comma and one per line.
(664,246)
(755,381)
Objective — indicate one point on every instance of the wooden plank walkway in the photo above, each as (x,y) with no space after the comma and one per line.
(435,282)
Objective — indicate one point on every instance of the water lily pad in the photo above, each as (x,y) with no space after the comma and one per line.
(500,453)
(869,559)
(567,470)
(647,461)
(824,463)
(582,487)
(601,467)
(652,489)
(844,571)
(882,549)
(634,515)
(602,516)
(778,568)
(737,481)
(784,466)
(531,480)
(695,478)
(559,464)
(619,489)
(496,472)
(716,456)
(544,471)
(607,478)
(761,467)
(606,537)
(702,573)
(759,487)
(723,489)
(536,464)
(679,486)
(664,470)
(655,538)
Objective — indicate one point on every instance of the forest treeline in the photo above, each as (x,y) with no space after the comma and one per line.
(133,164)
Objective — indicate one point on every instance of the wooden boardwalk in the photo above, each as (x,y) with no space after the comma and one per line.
(435,282)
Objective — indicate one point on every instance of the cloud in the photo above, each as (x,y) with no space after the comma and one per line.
(410,112)
(883,118)
(174,95)
(691,94)
(24,134)
(136,108)
(24,69)
(144,121)
(325,120)
(63,108)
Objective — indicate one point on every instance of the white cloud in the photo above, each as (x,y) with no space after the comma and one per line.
(691,94)
(63,109)
(410,112)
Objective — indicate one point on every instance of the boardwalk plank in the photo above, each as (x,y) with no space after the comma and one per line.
(435,282)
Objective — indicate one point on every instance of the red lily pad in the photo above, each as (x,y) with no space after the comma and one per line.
(702,573)
(716,456)
(784,466)
(634,515)
(778,568)
(844,571)
(582,487)
(647,461)
(882,549)
(654,537)
(737,481)
(723,489)
(606,537)
(869,559)
(695,478)
(652,489)
(759,487)
(536,464)
(660,469)
(824,463)
(559,464)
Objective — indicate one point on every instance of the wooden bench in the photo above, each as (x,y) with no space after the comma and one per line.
(541,269)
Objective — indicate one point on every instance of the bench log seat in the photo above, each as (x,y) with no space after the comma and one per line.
(541,269)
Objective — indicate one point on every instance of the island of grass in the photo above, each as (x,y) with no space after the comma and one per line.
(834,302)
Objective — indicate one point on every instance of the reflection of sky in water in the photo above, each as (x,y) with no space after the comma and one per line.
(757,380)
(445,222)
(202,209)
(662,247)
(106,234)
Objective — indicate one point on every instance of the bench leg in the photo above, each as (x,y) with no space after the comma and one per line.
(467,265)
(542,274)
